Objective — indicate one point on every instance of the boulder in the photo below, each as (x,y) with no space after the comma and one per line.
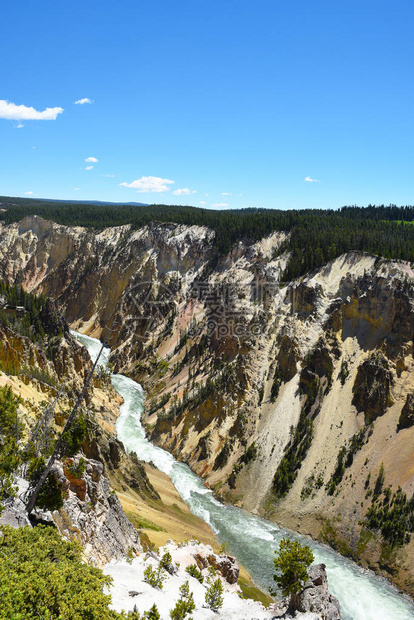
(315,595)
(226,565)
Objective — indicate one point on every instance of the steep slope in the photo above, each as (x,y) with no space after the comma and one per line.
(287,397)
(43,362)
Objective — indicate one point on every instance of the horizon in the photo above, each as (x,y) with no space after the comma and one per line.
(220,107)
(104,203)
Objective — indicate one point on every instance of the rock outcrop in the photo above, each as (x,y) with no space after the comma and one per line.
(315,596)
(92,513)
(406,419)
(372,387)
(224,564)
(315,599)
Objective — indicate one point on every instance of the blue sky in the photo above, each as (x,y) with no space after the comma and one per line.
(265,104)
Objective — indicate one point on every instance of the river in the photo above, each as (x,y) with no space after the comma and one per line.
(252,540)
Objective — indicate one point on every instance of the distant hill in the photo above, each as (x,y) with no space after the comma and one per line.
(7,200)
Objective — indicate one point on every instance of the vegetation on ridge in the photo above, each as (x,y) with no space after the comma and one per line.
(317,235)
(37,318)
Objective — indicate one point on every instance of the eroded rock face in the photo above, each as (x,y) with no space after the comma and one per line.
(66,361)
(226,565)
(90,273)
(93,515)
(288,357)
(304,299)
(315,601)
(372,388)
(406,419)
(378,309)
(315,596)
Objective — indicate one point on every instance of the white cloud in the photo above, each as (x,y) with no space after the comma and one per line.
(88,167)
(202,202)
(109,176)
(310,180)
(184,191)
(19,125)
(76,189)
(220,204)
(91,160)
(28,194)
(83,101)
(225,194)
(15,112)
(149,184)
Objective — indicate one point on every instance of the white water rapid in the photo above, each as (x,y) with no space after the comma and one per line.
(362,595)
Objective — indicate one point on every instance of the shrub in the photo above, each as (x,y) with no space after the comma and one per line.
(214,595)
(166,562)
(134,614)
(155,578)
(152,614)
(77,469)
(74,437)
(10,432)
(51,496)
(194,572)
(185,605)
(43,576)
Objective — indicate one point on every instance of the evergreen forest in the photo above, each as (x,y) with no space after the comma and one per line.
(316,235)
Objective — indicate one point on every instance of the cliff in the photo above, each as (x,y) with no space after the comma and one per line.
(44,363)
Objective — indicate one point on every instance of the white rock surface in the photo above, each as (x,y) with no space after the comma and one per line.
(129,588)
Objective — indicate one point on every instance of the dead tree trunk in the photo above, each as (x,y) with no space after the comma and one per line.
(34,494)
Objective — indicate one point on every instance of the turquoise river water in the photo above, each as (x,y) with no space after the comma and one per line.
(252,540)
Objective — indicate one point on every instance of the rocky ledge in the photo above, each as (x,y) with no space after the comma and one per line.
(92,514)
(315,598)
(129,589)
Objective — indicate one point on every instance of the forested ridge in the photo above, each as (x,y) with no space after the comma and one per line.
(316,236)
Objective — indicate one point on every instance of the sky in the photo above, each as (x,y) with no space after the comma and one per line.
(224,104)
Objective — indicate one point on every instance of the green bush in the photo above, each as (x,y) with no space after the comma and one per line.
(72,440)
(134,614)
(152,614)
(77,469)
(295,453)
(194,572)
(11,431)
(166,562)
(214,595)
(391,512)
(51,495)
(155,578)
(185,605)
(43,576)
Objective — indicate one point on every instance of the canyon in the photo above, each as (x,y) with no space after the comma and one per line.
(293,399)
